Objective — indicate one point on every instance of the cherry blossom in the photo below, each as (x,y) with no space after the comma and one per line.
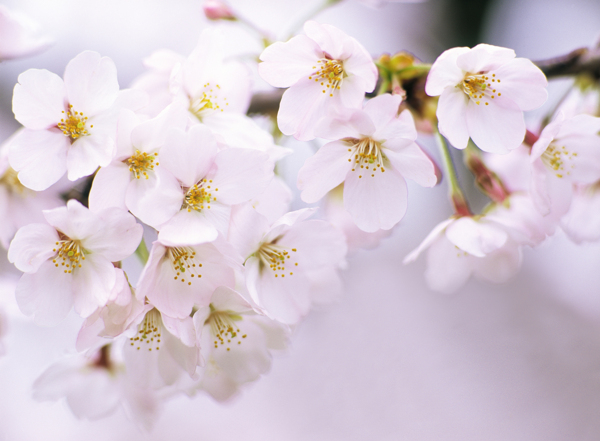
(67,261)
(69,125)
(193,206)
(374,153)
(483,93)
(177,278)
(290,264)
(94,386)
(565,153)
(18,36)
(236,343)
(325,70)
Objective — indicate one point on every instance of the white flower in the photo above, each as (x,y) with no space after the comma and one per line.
(325,70)
(236,343)
(483,93)
(69,261)
(69,125)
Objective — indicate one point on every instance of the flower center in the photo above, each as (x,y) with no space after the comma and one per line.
(141,163)
(368,157)
(10,181)
(73,124)
(149,331)
(329,73)
(207,101)
(276,257)
(199,196)
(184,259)
(223,328)
(480,87)
(558,160)
(69,253)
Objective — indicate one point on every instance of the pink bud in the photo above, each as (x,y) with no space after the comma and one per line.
(217,10)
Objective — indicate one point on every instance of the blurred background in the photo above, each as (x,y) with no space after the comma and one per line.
(392,360)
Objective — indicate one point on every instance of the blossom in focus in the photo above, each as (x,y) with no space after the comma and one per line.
(290,264)
(566,152)
(236,343)
(483,93)
(70,125)
(68,260)
(177,278)
(18,36)
(325,70)
(375,151)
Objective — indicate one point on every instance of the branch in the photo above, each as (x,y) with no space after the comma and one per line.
(580,61)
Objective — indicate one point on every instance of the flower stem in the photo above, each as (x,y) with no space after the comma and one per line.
(312,13)
(461,207)
(142,252)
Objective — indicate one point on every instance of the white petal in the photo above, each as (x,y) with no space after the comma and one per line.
(87,154)
(497,127)
(39,99)
(32,245)
(109,187)
(444,72)
(452,116)
(476,238)
(522,82)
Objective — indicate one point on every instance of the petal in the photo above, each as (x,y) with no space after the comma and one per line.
(91,83)
(402,126)
(447,268)
(496,128)
(484,58)
(431,237)
(523,83)
(46,293)
(375,202)
(285,299)
(109,187)
(32,245)
(452,116)
(325,170)
(383,109)
(412,163)
(444,72)
(476,238)
(40,157)
(188,228)
(500,265)
(39,99)
(117,238)
(87,154)
(92,284)
(283,64)
(152,134)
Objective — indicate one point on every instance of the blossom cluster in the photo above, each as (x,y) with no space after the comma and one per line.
(232,269)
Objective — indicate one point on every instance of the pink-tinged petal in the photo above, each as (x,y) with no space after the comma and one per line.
(360,65)
(240,175)
(183,329)
(237,130)
(91,83)
(118,237)
(431,237)
(476,238)
(316,243)
(32,245)
(274,201)
(226,299)
(325,170)
(188,228)
(375,202)
(87,154)
(302,107)
(189,156)
(413,164)
(580,159)
(130,99)
(330,39)
(282,225)
(155,200)
(125,125)
(74,220)
(539,187)
(152,134)
(246,229)
(39,99)
(580,223)
(496,128)
(447,267)
(402,127)
(46,294)
(522,82)
(500,265)
(579,125)
(92,283)
(40,157)
(348,123)
(546,137)
(444,72)
(383,109)
(451,113)
(283,64)
(484,57)
(285,299)
(109,187)
(351,91)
